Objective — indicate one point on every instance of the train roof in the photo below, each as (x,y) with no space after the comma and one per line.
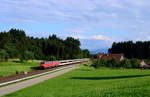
(47,62)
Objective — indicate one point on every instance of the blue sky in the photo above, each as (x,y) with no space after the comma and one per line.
(96,23)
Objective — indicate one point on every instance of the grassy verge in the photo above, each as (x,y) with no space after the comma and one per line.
(56,70)
(13,67)
(89,82)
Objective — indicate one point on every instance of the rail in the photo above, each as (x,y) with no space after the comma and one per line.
(63,62)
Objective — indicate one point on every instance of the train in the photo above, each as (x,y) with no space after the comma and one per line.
(49,64)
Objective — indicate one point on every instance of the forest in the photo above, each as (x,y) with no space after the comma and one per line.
(16,44)
(139,49)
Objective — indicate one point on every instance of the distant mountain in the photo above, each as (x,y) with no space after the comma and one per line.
(99,51)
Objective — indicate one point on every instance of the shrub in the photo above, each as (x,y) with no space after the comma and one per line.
(112,63)
(105,63)
(17,72)
(99,63)
(135,63)
(126,63)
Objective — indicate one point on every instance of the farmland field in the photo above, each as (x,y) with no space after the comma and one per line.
(90,82)
(10,67)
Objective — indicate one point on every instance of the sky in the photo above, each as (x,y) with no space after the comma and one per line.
(96,23)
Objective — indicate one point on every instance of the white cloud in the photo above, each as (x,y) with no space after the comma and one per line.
(96,37)
(148,37)
(132,16)
(101,37)
(117,14)
(77,30)
(122,13)
(37,34)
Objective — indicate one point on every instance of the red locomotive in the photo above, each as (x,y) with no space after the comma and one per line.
(49,64)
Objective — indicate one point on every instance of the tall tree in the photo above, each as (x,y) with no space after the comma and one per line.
(15,44)
(139,49)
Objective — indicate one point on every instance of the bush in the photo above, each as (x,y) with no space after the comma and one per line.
(135,63)
(99,63)
(113,63)
(105,63)
(126,63)
(17,72)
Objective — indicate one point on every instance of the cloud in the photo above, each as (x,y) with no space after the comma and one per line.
(87,16)
(95,44)
(96,37)
(101,37)
(37,34)
(75,30)
(128,15)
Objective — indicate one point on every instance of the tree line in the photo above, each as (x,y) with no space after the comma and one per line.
(139,49)
(16,44)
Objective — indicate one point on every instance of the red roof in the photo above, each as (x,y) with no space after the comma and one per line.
(110,56)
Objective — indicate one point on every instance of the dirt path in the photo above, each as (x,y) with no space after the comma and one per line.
(17,86)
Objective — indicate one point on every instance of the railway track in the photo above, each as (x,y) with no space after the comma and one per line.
(27,75)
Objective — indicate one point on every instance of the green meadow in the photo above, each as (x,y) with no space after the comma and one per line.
(13,67)
(90,82)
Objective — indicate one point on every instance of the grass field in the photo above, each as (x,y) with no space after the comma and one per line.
(89,82)
(9,68)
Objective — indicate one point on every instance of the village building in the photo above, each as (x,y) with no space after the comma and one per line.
(144,64)
(121,57)
(110,56)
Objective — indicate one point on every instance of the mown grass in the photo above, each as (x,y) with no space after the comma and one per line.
(90,82)
(13,67)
